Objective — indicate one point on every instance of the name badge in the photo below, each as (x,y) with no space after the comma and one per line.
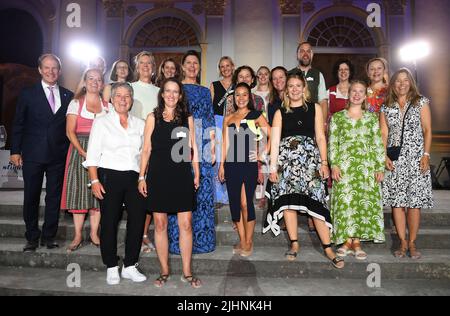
(181,135)
(244,121)
(310,79)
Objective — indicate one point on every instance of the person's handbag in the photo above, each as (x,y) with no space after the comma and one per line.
(393,152)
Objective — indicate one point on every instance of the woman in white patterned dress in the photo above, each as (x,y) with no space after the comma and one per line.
(407,186)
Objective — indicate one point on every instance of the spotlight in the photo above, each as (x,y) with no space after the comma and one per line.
(413,51)
(84,51)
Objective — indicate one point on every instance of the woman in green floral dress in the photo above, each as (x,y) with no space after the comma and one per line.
(356,155)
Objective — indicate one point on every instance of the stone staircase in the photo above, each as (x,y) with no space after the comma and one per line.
(266,272)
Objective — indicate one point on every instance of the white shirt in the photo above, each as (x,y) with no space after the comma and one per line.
(55,93)
(322,90)
(113,147)
(145,99)
(74,107)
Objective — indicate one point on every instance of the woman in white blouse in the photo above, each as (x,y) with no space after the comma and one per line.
(76,197)
(113,159)
(145,101)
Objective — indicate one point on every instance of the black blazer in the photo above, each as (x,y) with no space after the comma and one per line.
(38,134)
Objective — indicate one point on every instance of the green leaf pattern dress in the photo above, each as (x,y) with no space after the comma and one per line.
(356,147)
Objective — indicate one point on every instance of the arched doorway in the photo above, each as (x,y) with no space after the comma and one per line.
(20,51)
(166,37)
(167,32)
(336,35)
(24,44)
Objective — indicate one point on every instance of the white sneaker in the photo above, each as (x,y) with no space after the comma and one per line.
(112,276)
(133,274)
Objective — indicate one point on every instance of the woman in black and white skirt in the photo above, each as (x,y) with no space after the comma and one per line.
(299,168)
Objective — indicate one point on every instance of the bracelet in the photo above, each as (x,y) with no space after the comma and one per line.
(273,169)
(324,162)
(95,181)
(426,154)
(141,179)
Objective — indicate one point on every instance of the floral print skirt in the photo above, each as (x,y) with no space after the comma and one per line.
(300,186)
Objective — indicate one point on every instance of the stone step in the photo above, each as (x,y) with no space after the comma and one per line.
(265,262)
(53,282)
(431,238)
(429,218)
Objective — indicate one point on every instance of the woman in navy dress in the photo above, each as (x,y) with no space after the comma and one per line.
(238,168)
(200,106)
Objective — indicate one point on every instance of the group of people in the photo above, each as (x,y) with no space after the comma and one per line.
(163,146)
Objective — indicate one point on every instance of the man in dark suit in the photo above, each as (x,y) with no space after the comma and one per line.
(39,145)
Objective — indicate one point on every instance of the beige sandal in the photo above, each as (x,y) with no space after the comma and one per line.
(345,250)
(413,253)
(401,252)
(359,253)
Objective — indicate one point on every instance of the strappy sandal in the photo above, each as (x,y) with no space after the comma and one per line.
(193,281)
(345,250)
(359,253)
(334,261)
(413,253)
(161,280)
(147,246)
(291,255)
(401,252)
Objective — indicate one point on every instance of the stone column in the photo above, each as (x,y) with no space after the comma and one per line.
(114,10)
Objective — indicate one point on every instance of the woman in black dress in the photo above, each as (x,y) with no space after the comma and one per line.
(170,185)
(239,167)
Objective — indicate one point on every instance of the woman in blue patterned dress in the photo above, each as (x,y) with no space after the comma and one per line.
(200,105)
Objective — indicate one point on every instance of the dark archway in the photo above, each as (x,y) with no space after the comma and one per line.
(22,45)
(22,38)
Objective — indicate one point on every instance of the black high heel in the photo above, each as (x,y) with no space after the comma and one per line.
(76,247)
(336,260)
(292,255)
(93,243)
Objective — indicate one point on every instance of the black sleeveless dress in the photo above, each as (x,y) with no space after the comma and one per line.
(170,180)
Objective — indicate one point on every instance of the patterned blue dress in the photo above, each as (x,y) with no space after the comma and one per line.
(203,225)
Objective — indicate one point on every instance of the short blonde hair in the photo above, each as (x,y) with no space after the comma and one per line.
(385,65)
(136,63)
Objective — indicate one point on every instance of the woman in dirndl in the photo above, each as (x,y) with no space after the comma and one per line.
(77,197)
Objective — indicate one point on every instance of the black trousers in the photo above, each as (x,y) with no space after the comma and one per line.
(33,175)
(120,187)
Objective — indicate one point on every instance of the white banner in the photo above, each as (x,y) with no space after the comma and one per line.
(10,176)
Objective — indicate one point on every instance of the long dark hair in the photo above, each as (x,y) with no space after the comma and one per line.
(274,93)
(336,66)
(197,55)
(252,73)
(160,78)
(251,104)
(181,113)
(113,75)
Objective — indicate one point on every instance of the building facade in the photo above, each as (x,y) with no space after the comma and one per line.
(252,32)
